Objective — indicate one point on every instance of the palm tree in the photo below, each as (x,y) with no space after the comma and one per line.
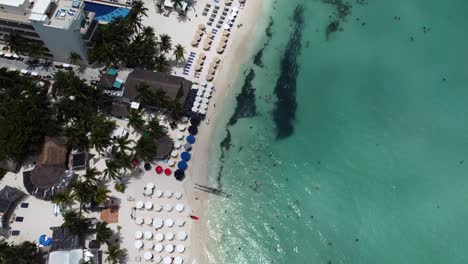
(179,52)
(123,160)
(101,194)
(123,143)
(177,4)
(91,176)
(103,233)
(115,254)
(35,51)
(101,130)
(146,148)
(74,57)
(16,43)
(135,120)
(76,137)
(24,253)
(162,63)
(165,43)
(134,19)
(82,191)
(176,111)
(112,171)
(75,223)
(63,199)
(155,129)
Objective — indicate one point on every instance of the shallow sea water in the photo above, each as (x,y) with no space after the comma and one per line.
(373,170)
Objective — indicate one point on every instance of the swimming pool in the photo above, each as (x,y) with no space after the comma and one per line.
(105,12)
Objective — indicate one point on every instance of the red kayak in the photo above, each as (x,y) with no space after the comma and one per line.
(194,217)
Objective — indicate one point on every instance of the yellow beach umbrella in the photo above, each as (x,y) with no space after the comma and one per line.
(216,59)
(212,71)
(220,50)
(198,67)
(225,33)
(194,43)
(207,46)
(201,26)
(209,77)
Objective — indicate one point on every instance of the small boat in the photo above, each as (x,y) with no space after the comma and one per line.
(194,217)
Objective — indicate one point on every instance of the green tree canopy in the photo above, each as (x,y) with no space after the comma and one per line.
(146,148)
(24,253)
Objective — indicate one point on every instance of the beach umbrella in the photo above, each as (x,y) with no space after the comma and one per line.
(190,139)
(235,9)
(231,17)
(194,86)
(139,220)
(148,235)
(139,204)
(45,240)
(138,234)
(148,221)
(201,26)
(168,194)
(202,111)
(168,207)
(200,92)
(180,222)
(150,185)
(147,166)
(209,41)
(174,153)
(159,237)
(158,223)
(179,175)
(182,165)
(203,106)
(227,27)
(158,247)
(169,222)
(138,244)
(210,35)
(209,90)
(180,135)
(148,205)
(180,248)
(185,156)
(182,235)
(171,162)
(220,50)
(198,67)
(179,259)
(198,99)
(179,207)
(194,43)
(168,172)
(202,55)
(178,195)
(158,169)
(170,248)
(224,39)
(181,127)
(213,65)
(193,130)
(158,259)
(207,46)
(177,145)
(148,191)
(188,147)
(226,33)
(167,260)
(209,77)
(222,45)
(150,245)
(158,207)
(158,193)
(207,95)
(200,61)
(205,100)
(170,236)
(194,109)
(212,71)
(196,104)
(195,121)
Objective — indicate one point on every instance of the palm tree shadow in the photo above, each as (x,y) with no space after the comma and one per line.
(81,69)
(182,18)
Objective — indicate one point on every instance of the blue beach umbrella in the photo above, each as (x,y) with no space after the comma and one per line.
(185,156)
(191,139)
(182,165)
(45,240)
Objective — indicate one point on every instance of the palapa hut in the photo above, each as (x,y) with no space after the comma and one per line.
(107,81)
(164,147)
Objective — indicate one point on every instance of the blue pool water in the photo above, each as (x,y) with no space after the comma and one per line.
(105,12)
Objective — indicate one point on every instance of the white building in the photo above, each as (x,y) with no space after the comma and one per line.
(60,26)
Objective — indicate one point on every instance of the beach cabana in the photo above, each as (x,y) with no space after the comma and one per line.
(185,156)
(182,165)
(190,139)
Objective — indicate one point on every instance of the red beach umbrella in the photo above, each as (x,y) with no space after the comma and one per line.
(167,172)
(135,162)
(158,169)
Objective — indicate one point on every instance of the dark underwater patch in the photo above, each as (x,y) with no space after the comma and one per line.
(257,59)
(284,112)
(342,10)
(245,106)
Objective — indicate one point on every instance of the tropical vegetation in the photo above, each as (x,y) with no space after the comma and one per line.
(23,253)
(115,254)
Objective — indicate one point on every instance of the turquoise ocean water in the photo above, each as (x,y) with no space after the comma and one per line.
(346,147)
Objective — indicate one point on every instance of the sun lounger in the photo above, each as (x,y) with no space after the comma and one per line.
(204,14)
(24,205)
(15,232)
(19,219)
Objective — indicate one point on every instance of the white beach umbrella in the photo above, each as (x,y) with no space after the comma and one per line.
(205,100)
(150,185)
(202,111)
(170,248)
(148,255)
(194,86)
(235,9)
(148,191)
(198,99)
(158,193)
(158,208)
(150,245)
(178,260)
(203,106)
(148,235)
(158,223)
(171,162)
(231,17)
(138,244)
(194,109)
(167,260)
(227,27)
(158,247)
(148,220)
(138,234)
(204,84)
(139,204)
(182,235)
(148,205)
(178,195)
(180,135)
(226,33)
(168,207)
(196,104)
(139,220)
(207,95)
(174,153)
(181,127)
(179,207)
(169,222)
(157,259)
(180,222)
(177,145)
(168,194)
(200,92)
(159,237)
(170,236)
(194,42)
(180,248)
(23,71)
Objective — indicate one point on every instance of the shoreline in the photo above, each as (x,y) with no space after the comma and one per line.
(233,61)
